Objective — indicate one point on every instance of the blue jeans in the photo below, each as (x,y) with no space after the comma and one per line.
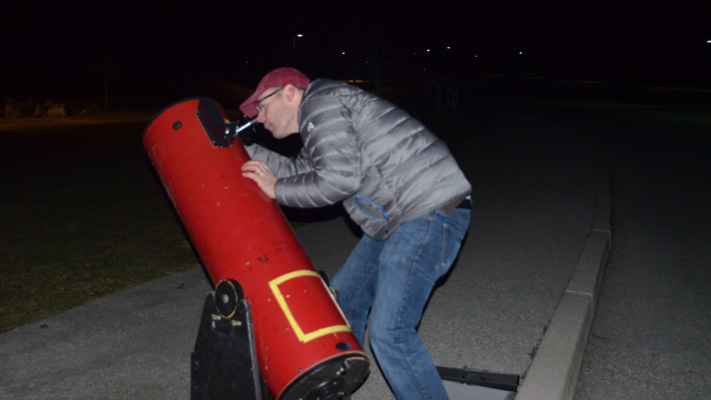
(393,279)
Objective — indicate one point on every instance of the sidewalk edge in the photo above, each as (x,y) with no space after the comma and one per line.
(554,371)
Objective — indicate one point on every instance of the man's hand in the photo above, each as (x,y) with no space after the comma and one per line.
(260,173)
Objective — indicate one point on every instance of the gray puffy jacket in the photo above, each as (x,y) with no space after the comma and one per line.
(384,164)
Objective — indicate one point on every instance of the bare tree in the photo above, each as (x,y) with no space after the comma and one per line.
(378,47)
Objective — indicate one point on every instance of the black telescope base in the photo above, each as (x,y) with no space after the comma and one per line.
(224,362)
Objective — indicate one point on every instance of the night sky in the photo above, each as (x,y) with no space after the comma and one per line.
(66,49)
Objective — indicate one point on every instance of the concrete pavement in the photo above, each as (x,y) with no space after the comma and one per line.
(519,299)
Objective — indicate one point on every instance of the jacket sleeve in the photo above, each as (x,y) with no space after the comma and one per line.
(331,152)
(281,166)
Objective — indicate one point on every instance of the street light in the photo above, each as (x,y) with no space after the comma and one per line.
(299,35)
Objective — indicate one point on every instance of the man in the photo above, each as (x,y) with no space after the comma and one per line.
(396,180)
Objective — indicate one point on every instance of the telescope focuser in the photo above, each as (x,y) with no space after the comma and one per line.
(245,129)
(221,131)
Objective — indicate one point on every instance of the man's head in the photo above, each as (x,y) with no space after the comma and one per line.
(276,101)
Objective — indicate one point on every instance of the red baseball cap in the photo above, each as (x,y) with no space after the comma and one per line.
(279,77)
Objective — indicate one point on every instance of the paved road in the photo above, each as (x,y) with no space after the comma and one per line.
(651,337)
(534,177)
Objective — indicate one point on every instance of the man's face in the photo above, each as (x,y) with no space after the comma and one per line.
(276,112)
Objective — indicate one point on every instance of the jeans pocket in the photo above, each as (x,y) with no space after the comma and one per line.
(452,237)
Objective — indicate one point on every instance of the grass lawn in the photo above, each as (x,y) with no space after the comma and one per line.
(82,216)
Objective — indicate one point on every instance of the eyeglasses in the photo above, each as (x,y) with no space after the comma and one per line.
(260,107)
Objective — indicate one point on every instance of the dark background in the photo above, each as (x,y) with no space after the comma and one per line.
(148,51)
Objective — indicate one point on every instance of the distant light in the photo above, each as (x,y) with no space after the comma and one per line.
(343,53)
(299,35)
(708,41)
(428,50)
(449,47)
(520,53)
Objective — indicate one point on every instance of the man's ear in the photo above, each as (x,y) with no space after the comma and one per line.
(292,94)
(289,91)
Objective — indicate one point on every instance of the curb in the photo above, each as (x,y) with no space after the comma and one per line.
(554,371)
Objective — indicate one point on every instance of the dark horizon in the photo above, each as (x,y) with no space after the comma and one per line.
(60,51)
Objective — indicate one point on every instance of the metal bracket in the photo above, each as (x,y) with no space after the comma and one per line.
(508,382)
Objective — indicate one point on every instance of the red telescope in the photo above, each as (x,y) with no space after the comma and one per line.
(304,345)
